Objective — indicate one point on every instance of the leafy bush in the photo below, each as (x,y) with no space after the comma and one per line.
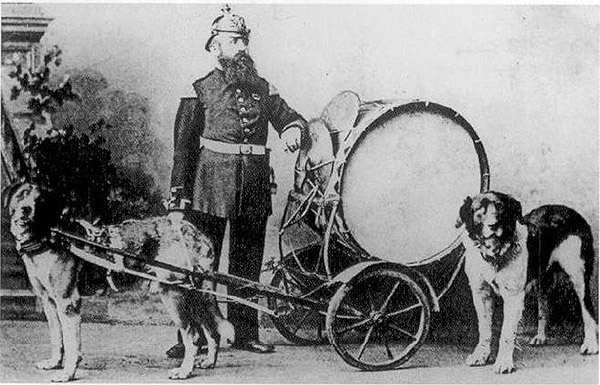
(78,167)
(75,159)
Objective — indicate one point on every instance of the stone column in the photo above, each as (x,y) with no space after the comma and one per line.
(23,25)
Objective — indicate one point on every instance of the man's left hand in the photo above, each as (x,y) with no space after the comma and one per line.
(292,138)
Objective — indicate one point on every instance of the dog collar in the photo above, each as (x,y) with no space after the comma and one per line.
(33,246)
(492,260)
(504,255)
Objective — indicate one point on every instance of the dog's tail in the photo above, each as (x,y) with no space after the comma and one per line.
(226,331)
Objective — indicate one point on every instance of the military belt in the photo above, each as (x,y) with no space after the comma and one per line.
(233,148)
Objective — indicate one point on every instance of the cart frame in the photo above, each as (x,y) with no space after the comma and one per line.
(376,312)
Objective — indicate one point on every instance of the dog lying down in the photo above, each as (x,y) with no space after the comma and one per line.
(54,273)
(502,246)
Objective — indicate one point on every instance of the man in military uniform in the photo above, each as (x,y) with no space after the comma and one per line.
(221,167)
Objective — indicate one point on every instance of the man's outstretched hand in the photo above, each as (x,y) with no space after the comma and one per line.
(292,138)
(175,216)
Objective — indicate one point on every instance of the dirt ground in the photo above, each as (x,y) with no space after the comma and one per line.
(135,353)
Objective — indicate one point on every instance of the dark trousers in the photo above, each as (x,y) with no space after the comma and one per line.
(246,248)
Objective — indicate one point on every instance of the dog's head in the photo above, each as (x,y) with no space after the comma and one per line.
(32,211)
(490,220)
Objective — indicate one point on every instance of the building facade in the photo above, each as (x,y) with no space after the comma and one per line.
(23,26)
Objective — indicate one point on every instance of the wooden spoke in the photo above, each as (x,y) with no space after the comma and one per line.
(401,331)
(365,342)
(405,310)
(371,301)
(353,326)
(388,351)
(389,297)
(393,341)
(299,324)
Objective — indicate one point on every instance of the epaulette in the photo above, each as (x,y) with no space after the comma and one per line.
(200,80)
(273,90)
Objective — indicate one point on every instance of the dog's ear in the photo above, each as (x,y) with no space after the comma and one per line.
(530,220)
(9,191)
(465,212)
(513,209)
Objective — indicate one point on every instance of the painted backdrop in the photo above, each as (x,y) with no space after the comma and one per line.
(526,77)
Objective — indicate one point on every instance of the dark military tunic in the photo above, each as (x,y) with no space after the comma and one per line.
(227,185)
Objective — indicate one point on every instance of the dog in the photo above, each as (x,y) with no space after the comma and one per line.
(560,236)
(507,254)
(54,275)
(179,243)
(496,258)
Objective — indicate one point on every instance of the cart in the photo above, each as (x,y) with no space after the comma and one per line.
(367,239)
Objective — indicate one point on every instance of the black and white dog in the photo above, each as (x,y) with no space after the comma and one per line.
(559,234)
(502,246)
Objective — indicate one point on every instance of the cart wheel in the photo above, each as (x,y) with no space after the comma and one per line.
(378,320)
(298,324)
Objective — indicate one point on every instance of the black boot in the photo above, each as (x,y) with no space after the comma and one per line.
(178,350)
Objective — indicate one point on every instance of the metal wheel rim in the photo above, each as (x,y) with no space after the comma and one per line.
(408,352)
(284,327)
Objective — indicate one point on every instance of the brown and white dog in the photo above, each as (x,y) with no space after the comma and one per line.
(54,273)
(560,236)
(495,263)
(504,252)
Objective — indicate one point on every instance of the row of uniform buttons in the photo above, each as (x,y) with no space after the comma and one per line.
(243,112)
(241,98)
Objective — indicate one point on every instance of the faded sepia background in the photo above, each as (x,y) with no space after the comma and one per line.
(526,77)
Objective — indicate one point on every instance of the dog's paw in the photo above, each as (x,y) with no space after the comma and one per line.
(227,333)
(504,366)
(479,357)
(49,364)
(62,376)
(589,347)
(180,374)
(205,363)
(538,340)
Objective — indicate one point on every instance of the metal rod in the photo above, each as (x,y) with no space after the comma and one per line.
(219,278)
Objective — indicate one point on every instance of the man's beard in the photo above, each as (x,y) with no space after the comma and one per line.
(240,70)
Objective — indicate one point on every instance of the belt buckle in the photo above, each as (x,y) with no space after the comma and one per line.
(245,149)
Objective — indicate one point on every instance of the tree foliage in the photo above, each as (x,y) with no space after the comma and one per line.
(85,155)
(35,81)
(77,167)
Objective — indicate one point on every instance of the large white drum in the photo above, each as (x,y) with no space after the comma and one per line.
(404,177)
